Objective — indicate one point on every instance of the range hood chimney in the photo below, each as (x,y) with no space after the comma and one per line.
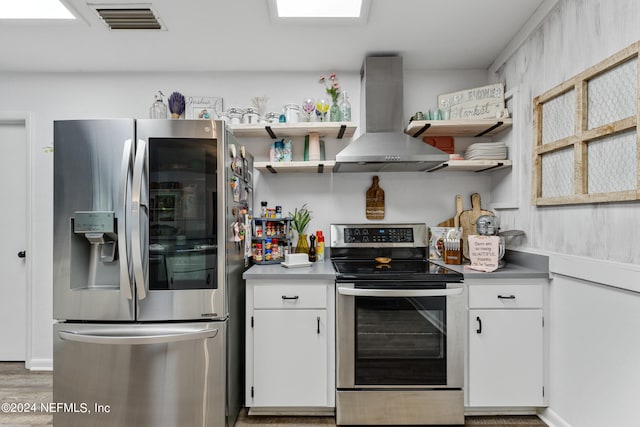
(384,147)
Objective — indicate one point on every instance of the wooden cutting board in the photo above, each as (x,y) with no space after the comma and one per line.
(451,222)
(467,221)
(375,201)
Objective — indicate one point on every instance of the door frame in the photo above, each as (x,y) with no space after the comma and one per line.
(25,117)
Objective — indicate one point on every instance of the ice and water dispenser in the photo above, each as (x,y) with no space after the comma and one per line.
(94,248)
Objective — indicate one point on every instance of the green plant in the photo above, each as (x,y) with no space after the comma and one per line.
(301,218)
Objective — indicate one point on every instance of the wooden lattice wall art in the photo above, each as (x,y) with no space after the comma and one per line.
(586,139)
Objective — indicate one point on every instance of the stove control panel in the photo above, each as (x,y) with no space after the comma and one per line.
(378,235)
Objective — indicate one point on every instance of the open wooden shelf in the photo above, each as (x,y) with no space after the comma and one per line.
(483,127)
(316,166)
(278,130)
(473,165)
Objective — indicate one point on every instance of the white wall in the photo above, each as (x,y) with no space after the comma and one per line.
(594,375)
(55,96)
(576,35)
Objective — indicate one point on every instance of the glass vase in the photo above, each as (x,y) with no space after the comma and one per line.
(302,247)
(335,115)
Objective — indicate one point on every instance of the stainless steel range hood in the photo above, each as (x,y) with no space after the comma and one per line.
(384,147)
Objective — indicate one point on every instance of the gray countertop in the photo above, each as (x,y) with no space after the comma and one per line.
(318,271)
(519,265)
(509,271)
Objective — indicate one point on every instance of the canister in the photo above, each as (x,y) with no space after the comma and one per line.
(250,116)
(292,113)
(234,115)
(272,117)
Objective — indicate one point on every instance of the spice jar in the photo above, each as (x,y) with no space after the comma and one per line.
(250,116)
(292,112)
(257,254)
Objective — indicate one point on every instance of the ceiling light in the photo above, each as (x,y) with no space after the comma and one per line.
(319,9)
(34,9)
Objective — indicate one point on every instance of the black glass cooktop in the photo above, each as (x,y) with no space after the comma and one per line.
(394,270)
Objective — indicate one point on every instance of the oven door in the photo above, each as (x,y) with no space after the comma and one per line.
(399,335)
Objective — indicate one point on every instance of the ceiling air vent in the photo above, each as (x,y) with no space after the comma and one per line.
(129,18)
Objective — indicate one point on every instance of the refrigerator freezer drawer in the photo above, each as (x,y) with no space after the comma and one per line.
(163,374)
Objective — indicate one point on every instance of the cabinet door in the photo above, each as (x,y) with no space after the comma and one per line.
(290,358)
(505,358)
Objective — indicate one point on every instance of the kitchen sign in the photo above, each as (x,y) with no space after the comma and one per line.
(484,253)
(483,102)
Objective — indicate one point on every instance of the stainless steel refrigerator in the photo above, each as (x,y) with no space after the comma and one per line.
(149,251)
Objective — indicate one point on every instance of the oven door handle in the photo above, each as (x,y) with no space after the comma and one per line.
(385,293)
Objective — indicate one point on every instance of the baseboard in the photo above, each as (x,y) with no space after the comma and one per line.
(39,364)
(491,411)
(286,411)
(552,419)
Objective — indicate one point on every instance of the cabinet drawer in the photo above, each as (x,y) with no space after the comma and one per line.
(505,296)
(290,296)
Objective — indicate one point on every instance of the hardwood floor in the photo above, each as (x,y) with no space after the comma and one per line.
(18,385)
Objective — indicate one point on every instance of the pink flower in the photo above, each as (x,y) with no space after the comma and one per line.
(334,88)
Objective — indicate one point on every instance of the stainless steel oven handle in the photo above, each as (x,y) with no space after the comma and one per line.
(384,293)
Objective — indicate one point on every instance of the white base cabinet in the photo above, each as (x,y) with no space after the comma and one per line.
(290,345)
(506,347)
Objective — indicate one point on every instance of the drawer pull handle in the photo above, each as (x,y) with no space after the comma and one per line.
(318,330)
(506,297)
(479,330)
(284,297)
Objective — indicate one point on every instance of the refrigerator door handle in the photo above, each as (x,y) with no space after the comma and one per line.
(129,336)
(125,172)
(136,211)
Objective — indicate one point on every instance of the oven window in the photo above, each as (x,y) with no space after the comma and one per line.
(400,341)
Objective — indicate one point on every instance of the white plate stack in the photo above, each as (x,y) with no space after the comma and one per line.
(486,151)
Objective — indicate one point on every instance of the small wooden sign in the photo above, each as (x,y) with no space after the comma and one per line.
(375,201)
(478,103)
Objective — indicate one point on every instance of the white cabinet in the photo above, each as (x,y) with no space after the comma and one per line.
(506,343)
(290,346)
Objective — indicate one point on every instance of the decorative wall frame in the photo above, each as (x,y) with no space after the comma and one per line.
(203,107)
(586,139)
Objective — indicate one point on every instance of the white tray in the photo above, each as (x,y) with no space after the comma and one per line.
(304,264)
